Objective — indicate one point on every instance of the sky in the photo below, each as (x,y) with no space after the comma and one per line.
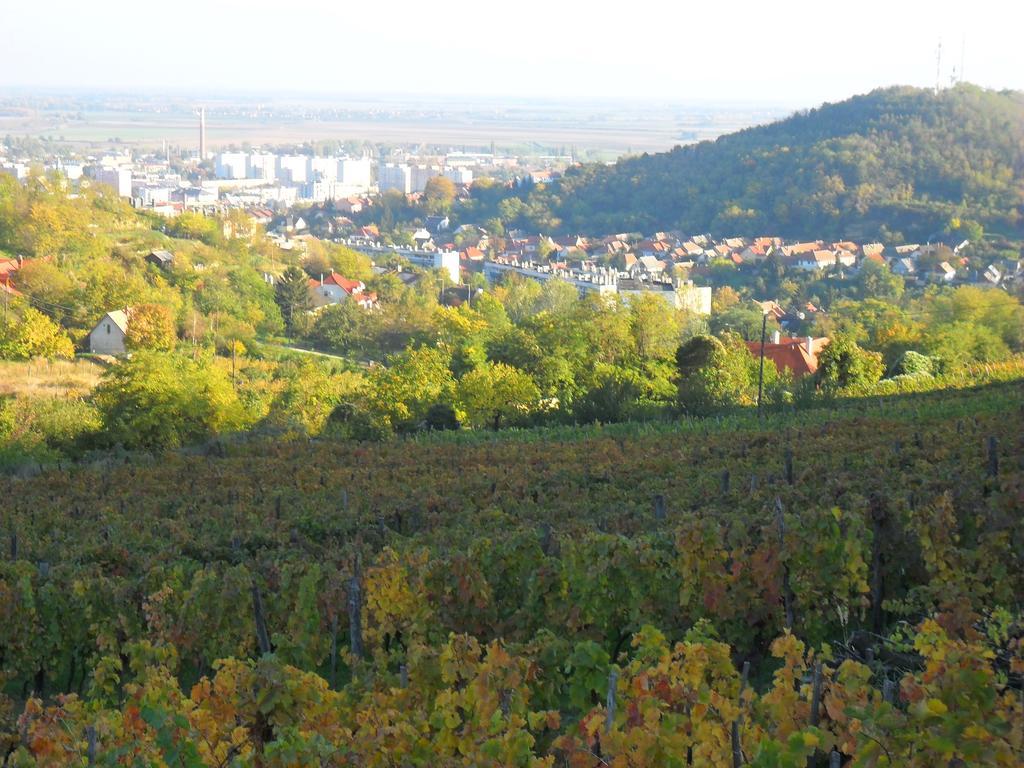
(787,52)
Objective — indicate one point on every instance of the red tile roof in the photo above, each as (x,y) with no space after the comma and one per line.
(791,354)
(349,286)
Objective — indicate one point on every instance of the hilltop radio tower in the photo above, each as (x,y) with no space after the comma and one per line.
(938,67)
(202,133)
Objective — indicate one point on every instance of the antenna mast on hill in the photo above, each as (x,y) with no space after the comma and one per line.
(963,49)
(938,67)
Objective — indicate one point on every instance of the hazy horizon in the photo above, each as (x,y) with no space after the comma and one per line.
(795,54)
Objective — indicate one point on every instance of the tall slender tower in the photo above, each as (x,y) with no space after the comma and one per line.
(202,133)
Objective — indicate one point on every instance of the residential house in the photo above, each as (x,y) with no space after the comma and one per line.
(771,308)
(421,237)
(335,289)
(162,259)
(906,250)
(945,272)
(692,249)
(351,205)
(799,356)
(261,216)
(992,274)
(817,259)
(869,250)
(647,266)
(108,335)
(437,224)
(904,267)
(798,249)
(655,248)
(7,269)
(755,253)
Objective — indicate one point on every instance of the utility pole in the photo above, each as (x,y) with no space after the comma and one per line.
(760,375)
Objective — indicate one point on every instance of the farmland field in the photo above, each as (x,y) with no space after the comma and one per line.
(609,130)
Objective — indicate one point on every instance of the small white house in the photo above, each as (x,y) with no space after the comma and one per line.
(107,338)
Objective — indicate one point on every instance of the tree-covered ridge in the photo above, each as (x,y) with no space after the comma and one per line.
(891,163)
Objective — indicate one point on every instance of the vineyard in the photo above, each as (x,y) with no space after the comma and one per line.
(831,589)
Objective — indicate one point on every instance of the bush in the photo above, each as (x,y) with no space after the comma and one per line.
(162,400)
(914,364)
(34,429)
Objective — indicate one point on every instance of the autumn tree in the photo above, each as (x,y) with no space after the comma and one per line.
(150,326)
(28,333)
(438,195)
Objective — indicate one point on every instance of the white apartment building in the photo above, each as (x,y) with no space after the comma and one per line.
(394,176)
(263,165)
(421,174)
(355,173)
(18,170)
(232,165)
(152,194)
(291,169)
(460,176)
(322,169)
(118,178)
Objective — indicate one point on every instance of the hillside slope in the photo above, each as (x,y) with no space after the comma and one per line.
(431,603)
(895,160)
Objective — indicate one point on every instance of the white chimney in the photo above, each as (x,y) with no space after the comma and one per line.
(776,337)
(810,345)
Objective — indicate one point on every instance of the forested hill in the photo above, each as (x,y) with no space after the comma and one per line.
(900,160)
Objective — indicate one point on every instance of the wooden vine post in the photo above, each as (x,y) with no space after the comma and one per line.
(737,743)
(262,637)
(613,681)
(787,593)
(355,618)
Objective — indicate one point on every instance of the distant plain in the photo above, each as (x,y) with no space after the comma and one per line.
(601,131)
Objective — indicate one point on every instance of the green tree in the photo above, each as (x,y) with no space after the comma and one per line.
(655,327)
(717,373)
(292,296)
(495,393)
(610,395)
(959,344)
(843,365)
(308,392)
(400,395)
(876,281)
(161,400)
